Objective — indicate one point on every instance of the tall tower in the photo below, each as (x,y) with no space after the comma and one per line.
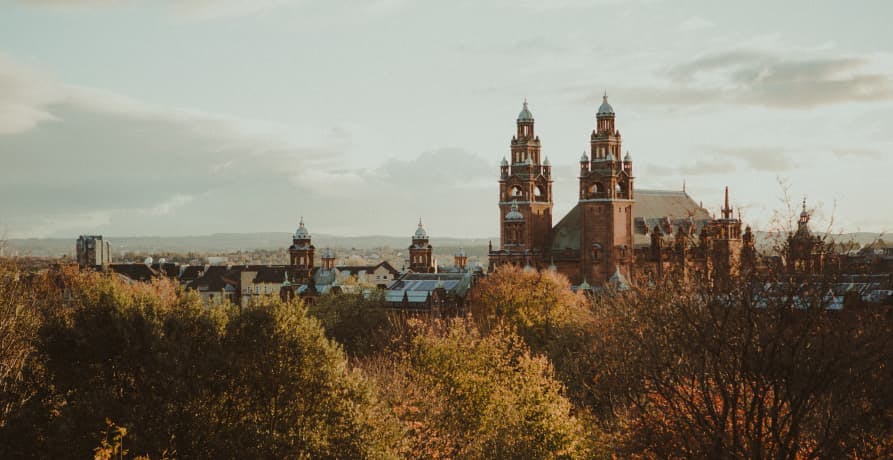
(460,259)
(301,251)
(328,259)
(525,188)
(420,258)
(727,246)
(606,203)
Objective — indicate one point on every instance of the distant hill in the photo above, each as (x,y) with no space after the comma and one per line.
(226,242)
(230,242)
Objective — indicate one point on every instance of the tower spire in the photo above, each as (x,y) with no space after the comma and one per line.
(726,210)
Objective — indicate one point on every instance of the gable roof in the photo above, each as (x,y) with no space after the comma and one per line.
(356,269)
(136,272)
(669,208)
(275,275)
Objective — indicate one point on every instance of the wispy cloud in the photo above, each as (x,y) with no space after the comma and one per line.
(764,79)
(719,160)
(857,152)
(695,23)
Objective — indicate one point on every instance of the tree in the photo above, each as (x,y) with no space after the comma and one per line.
(462,394)
(764,370)
(360,323)
(552,319)
(19,322)
(200,382)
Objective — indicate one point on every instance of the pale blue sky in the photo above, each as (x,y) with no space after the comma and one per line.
(194,117)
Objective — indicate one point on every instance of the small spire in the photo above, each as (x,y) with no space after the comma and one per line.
(804,203)
(683,185)
(726,210)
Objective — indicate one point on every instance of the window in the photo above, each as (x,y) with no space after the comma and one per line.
(517,192)
(597,188)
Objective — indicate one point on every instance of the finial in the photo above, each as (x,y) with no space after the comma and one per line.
(420,222)
(727,197)
(683,185)
(605,96)
(301,222)
(804,203)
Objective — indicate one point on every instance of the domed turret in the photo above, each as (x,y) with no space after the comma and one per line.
(628,157)
(420,232)
(301,233)
(514,213)
(584,158)
(504,162)
(420,252)
(605,108)
(301,251)
(525,114)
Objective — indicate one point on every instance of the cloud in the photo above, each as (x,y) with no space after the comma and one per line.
(168,206)
(96,162)
(719,160)
(695,23)
(24,96)
(763,79)
(762,159)
(856,152)
(74,158)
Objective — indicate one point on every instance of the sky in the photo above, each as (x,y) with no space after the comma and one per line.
(193,117)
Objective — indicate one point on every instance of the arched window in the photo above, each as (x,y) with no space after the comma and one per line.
(539,192)
(517,192)
(597,188)
(596,251)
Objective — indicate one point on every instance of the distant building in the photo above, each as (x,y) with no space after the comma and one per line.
(93,252)
(445,293)
(421,259)
(615,233)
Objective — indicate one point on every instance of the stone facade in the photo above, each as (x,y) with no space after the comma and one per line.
(614,233)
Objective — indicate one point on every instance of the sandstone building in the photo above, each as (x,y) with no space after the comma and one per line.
(615,233)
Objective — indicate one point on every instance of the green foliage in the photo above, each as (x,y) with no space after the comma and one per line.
(462,394)
(207,383)
(552,319)
(19,322)
(360,323)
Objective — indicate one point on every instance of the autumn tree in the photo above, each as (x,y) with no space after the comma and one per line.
(464,394)
(764,370)
(200,382)
(360,322)
(552,319)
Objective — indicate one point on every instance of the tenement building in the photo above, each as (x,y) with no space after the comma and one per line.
(615,233)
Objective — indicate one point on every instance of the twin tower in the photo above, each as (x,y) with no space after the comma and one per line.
(597,243)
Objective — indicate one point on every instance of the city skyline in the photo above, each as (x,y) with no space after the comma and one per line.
(131,118)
